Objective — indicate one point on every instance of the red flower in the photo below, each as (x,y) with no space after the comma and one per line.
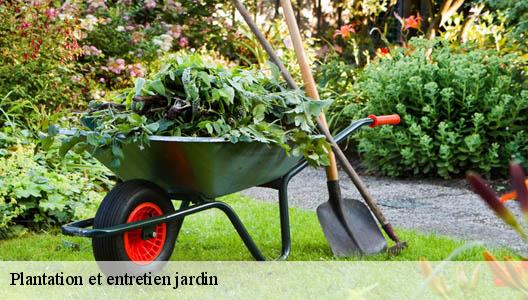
(413,22)
(384,51)
(345,31)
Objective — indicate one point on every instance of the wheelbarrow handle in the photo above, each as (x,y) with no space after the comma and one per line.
(371,121)
(384,120)
(354,126)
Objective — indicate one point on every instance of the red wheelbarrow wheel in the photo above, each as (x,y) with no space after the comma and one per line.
(128,202)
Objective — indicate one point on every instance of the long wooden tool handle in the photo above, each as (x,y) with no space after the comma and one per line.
(309,82)
(264,42)
(311,91)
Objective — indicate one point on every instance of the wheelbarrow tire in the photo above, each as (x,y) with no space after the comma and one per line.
(131,201)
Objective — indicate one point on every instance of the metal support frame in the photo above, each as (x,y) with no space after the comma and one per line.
(81,228)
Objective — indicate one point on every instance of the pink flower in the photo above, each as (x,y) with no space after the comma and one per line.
(136,70)
(89,22)
(51,13)
(25,25)
(96,4)
(175,31)
(170,5)
(183,42)
(149,4)
(75,78)
(91,51)
(115,65)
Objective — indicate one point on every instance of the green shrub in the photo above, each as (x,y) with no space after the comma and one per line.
(36,190)
(467,109)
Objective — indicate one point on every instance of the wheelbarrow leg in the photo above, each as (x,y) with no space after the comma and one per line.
(284,224)
(284,219)
(242,232)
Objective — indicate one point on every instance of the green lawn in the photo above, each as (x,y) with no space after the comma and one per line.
(210,236)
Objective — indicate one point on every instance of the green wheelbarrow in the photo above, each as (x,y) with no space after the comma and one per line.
(137,221)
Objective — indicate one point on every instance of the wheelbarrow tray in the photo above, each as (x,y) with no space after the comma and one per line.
(202,168)
(211,167)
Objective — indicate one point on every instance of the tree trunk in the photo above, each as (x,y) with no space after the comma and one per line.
(319,18)
(298,10)
(340,13)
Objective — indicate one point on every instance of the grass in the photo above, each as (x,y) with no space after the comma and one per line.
(210,236)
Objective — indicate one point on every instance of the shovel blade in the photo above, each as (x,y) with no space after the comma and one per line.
(357,234)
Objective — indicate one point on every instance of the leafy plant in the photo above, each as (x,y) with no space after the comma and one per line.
(37,190)
(466,109)
(191,97)
(516,13)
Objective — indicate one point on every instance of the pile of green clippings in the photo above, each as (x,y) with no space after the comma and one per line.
(192,97)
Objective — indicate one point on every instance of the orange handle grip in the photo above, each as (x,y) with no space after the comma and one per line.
(385,120)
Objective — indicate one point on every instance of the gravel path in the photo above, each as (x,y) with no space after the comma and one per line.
(437,206)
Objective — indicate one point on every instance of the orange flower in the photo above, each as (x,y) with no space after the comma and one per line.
(513,194)
(345,31)
(512,274)
(413,22)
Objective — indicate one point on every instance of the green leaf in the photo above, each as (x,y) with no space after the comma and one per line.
(228,94)
(69,143)
(153,127)
(258,112)
(118,152)
(140,82)
(158,87)
(135,119)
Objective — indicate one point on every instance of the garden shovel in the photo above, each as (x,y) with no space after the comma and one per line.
(347,224)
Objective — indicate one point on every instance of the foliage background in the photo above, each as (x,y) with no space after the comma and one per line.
(57,56)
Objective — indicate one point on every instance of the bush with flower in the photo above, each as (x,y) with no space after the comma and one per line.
(38,49)
(123,39)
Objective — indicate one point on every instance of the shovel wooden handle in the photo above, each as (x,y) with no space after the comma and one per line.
(311,91)
(309,82)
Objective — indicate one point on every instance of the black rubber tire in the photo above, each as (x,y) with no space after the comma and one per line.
(115,209)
